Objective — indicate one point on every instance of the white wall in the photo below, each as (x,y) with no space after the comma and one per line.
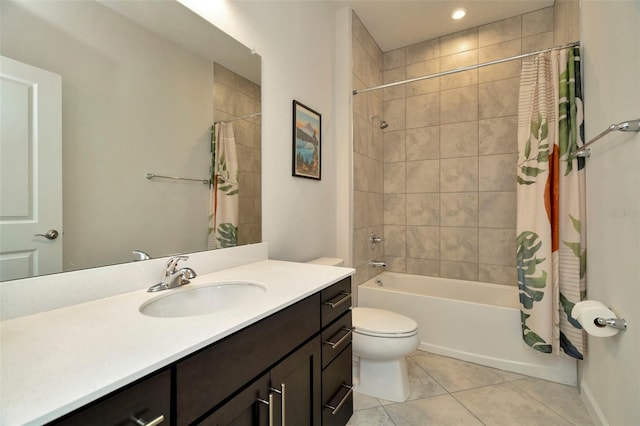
(611,63)
(295,40)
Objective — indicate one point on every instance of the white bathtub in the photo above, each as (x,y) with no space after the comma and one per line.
(471,321)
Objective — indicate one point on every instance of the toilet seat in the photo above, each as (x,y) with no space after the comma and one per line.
(382,323)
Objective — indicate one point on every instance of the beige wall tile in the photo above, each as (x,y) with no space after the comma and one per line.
(423,242)
(459,174)
(423,143)
(423,176)
(499,51)
(224,75)
(360,181)
(498,135)
(395,241)
(395,264)
(459,270)
(422,69)
(497,32)
(537,42)
(459,42)
(394,59)
(497,274)
(422,267)
(459,140)
(224,99)
(497,172)
(361,135)
(394,178)
(423,209)
(375,175)
(459,209)
(376,208)
(459,244)
(392,76)
(458,105)
(498,98)
(394,146)
(497,210)
(423,110)
(361,246)
(394,114)
(566,21)
(497,246)
(361,217)
(424,51)
(395,209)
(375,146)
(540,21)
(460,79)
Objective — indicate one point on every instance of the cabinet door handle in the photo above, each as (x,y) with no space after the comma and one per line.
(283,398)
(335,408)
(345,296)
(153,422)
(341,340)
(270,404)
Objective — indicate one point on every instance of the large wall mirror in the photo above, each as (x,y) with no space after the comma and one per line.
(140,86)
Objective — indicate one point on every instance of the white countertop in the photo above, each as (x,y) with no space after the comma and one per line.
(56,361)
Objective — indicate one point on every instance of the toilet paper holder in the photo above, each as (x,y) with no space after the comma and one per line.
(617,323)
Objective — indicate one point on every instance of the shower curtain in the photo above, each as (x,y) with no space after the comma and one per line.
(551,255)
(223,206)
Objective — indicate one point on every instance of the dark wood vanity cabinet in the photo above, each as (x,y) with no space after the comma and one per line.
(293,368)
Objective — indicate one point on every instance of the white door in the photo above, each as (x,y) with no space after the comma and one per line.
(30,170)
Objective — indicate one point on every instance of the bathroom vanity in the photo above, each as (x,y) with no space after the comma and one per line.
(286,359)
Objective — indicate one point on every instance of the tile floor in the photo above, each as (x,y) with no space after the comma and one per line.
(447,391)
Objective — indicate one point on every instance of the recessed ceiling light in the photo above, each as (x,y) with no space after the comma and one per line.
(459,13)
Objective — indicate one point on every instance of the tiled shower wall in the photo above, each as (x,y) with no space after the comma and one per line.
(368,197)
(450,151)
(235,96)
(444,171)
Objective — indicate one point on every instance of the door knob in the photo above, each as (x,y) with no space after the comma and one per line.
(51,234)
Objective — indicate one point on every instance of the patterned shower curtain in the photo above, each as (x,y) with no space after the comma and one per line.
(551,255)
(223,206)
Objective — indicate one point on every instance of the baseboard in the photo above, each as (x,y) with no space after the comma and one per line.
(592,405)
(550,373)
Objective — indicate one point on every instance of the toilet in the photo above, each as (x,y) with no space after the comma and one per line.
(381,341)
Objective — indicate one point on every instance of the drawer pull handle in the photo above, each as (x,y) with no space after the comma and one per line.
(153,422)
(334,345)
(270,404)
(283,399)
(345,296)
(338,406)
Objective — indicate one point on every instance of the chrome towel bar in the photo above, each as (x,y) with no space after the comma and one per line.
(625,126)
(151,176)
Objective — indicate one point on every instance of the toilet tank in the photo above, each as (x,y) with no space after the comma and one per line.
(328,261)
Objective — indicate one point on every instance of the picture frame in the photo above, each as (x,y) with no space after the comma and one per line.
(307,142)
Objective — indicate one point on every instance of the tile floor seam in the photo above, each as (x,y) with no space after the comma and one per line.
(532,396)
(468,409)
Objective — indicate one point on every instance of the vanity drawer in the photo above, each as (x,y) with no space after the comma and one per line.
(337,397)
(147,400)
(336,300)
(206,379)
(335,338)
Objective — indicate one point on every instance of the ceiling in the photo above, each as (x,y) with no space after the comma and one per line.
(398,23)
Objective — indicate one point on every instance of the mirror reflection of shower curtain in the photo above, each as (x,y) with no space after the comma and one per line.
(223,206)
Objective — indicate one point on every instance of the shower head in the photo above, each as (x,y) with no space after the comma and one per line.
(383,124)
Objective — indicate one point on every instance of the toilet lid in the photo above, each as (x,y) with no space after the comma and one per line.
(380,322)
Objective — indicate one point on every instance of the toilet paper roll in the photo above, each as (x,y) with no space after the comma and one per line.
(586,313)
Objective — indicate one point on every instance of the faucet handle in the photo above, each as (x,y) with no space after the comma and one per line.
(172,263)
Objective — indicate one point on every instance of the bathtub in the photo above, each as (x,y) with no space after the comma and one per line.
(471,321)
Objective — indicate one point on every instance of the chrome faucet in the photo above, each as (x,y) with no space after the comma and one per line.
(378,264)
(172,276)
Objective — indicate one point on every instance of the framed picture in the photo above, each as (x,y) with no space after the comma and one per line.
(307,141)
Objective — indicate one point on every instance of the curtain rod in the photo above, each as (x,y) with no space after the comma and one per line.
(467,68)
(238,118)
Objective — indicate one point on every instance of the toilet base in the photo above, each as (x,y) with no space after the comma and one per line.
(384,379)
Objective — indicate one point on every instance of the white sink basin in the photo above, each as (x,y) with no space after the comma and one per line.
(203,299)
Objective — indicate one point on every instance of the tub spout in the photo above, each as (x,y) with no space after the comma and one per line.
(378,264)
